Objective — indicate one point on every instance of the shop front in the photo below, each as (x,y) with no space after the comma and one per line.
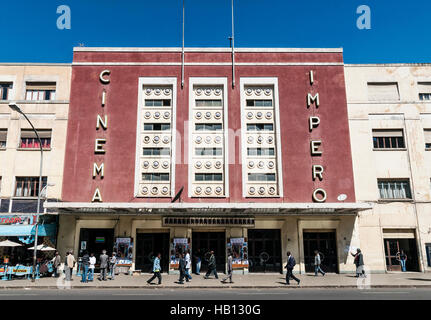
(399,241)
(17,236)
(323,241)
(148,245)
(259,242)
(264,250)
(203,242)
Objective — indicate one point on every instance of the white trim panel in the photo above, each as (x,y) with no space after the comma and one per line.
(156,81)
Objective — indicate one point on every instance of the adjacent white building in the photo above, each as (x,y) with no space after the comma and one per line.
(389,107)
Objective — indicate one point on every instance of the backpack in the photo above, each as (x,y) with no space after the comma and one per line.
(293,262)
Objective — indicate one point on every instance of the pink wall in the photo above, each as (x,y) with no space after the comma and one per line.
(121,108)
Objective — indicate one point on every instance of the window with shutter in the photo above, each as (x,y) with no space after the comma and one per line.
(40,91)
(383,91)
(3,138)
(394,189)
(28,186)
(388,139)
(29,139)
(427,134)
(424,91)
(5,89)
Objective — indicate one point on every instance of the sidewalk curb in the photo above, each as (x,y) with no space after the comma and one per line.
(221,287)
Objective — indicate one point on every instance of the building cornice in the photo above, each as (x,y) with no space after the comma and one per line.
(200,49)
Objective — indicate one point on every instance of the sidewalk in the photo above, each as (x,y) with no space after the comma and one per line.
(392,280)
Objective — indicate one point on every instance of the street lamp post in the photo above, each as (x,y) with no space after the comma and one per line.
(16,108)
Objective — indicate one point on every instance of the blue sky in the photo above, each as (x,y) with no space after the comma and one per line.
(400,29)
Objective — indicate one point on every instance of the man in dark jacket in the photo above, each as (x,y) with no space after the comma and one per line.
(103,265)
(212,266)
(182,269)
(85,264)
(289,266)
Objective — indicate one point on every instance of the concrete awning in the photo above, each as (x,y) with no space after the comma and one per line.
(190,208)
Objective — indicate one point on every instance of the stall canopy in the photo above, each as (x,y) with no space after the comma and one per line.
(8,243)
(27,230)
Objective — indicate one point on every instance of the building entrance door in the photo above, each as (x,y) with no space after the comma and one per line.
(326,244)
(95,241)
(203,243)
(264,250)
(147,247)
(393,248)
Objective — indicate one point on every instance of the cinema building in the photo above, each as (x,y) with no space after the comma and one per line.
(252,153)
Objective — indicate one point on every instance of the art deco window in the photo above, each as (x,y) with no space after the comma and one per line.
(28,186)
(394,189)
(207,167)
(156,141)
(259,134)
(388,139)
(37,91)
(30,141)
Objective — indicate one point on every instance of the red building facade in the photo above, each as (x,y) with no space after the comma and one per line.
(292,100)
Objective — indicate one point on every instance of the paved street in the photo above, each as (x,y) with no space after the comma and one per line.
(215,294)
(255,281)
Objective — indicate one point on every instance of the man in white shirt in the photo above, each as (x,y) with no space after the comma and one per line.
(91,267)
(188,265)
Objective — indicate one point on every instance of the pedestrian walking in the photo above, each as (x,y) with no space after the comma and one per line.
(91,267)
(85,265)
(317,263)
(403,260)
(182,269)
(188,265)
(229,268)
(156,270)
(359,263)
(56,263)
(69,264)
(112,265)
(103,265)
(289,266)
(197,260)
(212,266)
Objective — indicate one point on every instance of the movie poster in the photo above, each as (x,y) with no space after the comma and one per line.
(179,245)
(239,252)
